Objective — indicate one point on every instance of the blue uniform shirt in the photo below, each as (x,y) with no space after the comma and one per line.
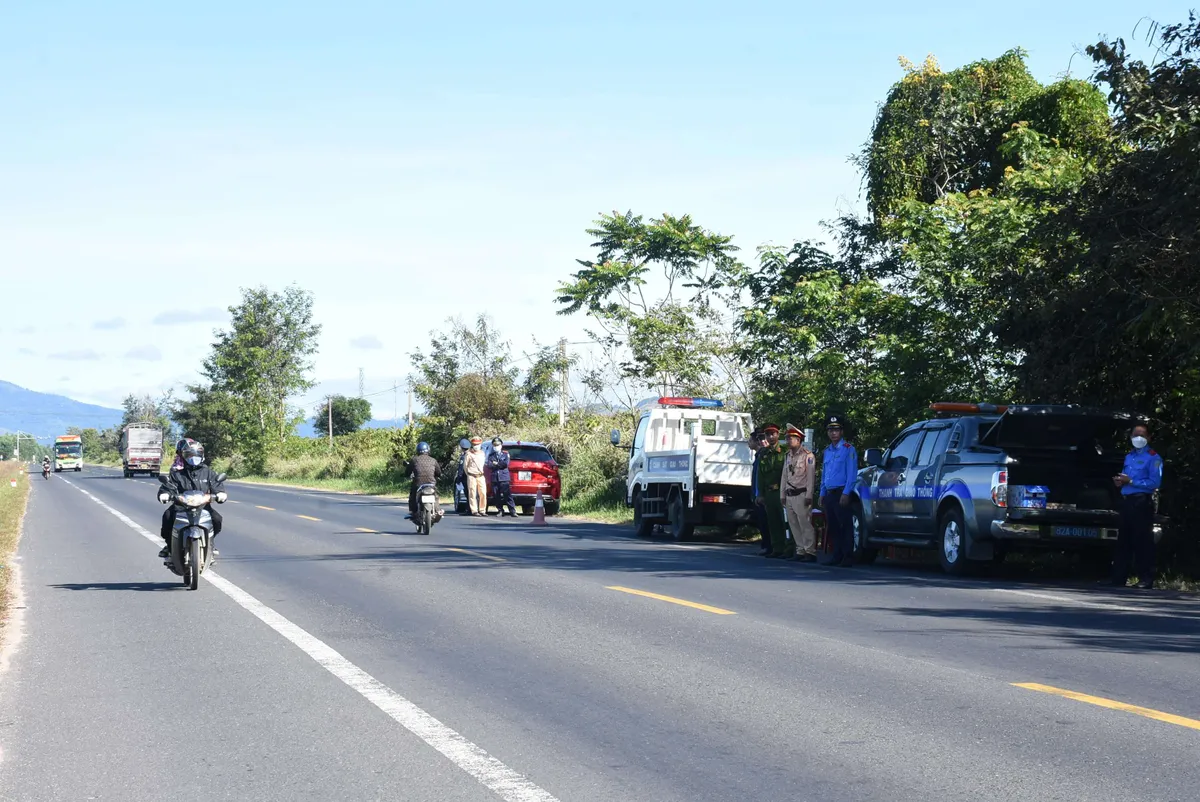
(1144,467)
(840,468)
(754,475)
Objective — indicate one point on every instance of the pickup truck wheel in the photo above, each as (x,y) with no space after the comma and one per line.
(679,528)
(952,542)
(862,553)
(642,526)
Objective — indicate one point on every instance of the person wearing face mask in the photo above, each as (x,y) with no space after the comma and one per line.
(1139,478)
(189,472)
(475,466)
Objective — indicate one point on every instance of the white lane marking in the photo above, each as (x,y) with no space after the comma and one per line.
(1079,602)
(490,772)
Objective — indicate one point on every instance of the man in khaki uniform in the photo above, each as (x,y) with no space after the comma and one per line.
(474,466)
(796,493)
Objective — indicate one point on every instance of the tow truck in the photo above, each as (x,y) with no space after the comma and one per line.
(690,465)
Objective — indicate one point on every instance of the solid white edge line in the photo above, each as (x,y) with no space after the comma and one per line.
(490,772)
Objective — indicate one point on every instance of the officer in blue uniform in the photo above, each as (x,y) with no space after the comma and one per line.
(839,470)
(1139,478)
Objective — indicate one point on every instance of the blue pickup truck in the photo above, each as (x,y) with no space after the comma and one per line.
(978,481)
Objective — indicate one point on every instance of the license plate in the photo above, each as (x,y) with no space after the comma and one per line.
(1077,531)
(428,499)
(524,476)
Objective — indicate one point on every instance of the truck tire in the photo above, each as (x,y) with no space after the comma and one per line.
(642,526)
(951,542)
(863,554)
(678,527)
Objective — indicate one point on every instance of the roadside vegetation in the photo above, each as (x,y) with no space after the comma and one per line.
(12,509)
(1021,242)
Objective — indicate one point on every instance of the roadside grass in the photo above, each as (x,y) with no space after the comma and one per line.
(12,508)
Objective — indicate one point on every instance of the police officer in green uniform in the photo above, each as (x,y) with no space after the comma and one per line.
(770,477)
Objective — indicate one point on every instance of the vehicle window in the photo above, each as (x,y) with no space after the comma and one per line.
(528,453)
(639,437)
(708,427)
(933,445)
(903,451)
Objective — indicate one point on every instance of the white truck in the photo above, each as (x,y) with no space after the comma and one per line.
(141,448)
(690,465)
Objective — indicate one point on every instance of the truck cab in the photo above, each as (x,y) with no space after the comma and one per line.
(690,465)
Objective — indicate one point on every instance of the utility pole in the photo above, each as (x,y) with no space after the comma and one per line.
(395,403)
(410,407)
(360,382)
(329,411)
(565,376)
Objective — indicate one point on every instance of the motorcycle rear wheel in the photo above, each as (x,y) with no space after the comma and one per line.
(426,521)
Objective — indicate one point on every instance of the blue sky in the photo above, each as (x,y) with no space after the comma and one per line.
(409,162)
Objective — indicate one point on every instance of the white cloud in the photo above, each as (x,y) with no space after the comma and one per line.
(82,355)
(368,342)
(146,352)
(109,325)
(182,316)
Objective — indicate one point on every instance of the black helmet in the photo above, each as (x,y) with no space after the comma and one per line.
(191,452)
(422,447)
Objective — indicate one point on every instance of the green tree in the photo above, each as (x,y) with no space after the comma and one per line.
(258,363)
(654,290)
(208,416)
(349,415)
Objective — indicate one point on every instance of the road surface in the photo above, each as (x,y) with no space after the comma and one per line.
(333,653)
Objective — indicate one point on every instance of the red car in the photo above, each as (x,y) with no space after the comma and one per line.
(532,467)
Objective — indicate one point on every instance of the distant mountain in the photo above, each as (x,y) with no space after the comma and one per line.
(46,416)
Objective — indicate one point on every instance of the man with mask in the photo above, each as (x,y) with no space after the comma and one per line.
(497,463)
(474,466)
(799,475)
(770,477)
(1140,477)
(189,473)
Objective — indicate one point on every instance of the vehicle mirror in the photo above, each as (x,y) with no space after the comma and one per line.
(615,437)
(220,478)
(874,457)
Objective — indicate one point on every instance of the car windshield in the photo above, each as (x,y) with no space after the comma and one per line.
(528,453)
(68,449)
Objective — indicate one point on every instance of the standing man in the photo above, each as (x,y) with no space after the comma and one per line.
(799,475)
(1139,478)
(838,472)
(474,466)
(501,478)
(757,444)
(770,478)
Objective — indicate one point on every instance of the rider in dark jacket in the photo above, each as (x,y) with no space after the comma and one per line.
(189,472)
(424,470)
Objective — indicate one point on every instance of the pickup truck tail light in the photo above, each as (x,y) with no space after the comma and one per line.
(713,499)
(1000,488)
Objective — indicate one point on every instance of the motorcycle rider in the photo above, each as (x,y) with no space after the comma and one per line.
(189,472)
(46,464)
(424,470)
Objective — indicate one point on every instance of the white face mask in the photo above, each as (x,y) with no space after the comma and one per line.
(474,447)
(1139,442)
(195,461)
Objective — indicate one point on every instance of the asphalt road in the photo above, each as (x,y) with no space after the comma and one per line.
(333,653)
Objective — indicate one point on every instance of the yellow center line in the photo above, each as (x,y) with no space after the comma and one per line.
(477,554)
(308,517)
(1111,704)
(369,531)
(672,600)
(261,507)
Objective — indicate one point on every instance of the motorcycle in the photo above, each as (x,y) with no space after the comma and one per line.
(429,511)
(191,539)
(45,471)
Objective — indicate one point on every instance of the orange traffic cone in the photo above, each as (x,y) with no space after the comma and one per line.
(539,510)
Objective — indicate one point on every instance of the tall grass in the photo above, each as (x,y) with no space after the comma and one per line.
(12,507)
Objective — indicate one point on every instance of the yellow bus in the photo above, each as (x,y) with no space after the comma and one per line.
(68,453)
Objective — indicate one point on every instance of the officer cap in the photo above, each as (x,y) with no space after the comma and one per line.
(834,421)
(770,428)
(476,441)
(792,431)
